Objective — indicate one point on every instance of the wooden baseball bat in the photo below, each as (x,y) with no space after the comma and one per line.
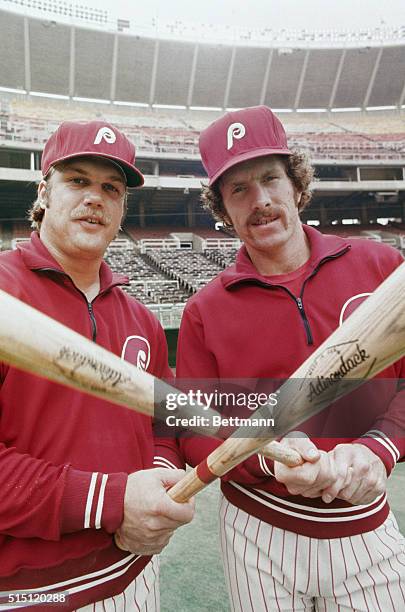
(36,343)
(371,339)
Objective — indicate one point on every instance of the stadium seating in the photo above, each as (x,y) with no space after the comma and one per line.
(31,120)
(192,270)
(223,257)
(147,284)
(164,279)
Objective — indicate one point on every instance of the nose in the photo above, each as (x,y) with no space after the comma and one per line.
(261,196)
(94,196)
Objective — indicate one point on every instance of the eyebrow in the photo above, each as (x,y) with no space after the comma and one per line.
(111,177)
(236,182)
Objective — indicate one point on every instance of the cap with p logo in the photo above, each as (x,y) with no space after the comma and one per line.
(239,136)
(94,138)
(107,133)
(235,131)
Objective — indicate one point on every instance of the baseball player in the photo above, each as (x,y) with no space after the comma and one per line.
(75,469)
(319,536)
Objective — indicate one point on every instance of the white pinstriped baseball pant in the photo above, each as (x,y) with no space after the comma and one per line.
(268,569)
(141,595)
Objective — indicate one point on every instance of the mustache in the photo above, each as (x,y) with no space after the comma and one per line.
(83,213)
(272,213)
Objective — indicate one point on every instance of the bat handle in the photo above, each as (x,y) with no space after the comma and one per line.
(191,484)
(279,452)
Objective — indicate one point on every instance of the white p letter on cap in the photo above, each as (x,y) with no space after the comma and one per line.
(235,131)
(107,134)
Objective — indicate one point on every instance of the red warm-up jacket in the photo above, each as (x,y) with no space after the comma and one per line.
(244,326)
(65,455)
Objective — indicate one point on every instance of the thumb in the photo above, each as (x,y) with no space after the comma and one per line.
(118,543)
(170,477)
(303,445)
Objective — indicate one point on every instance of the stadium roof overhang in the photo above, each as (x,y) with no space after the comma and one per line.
(162,73)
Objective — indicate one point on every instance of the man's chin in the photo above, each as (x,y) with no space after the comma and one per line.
(95,245)
(267,241)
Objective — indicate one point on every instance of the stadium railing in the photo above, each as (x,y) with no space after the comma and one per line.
(155,134)
(220,243)
(169,315)
(146,244)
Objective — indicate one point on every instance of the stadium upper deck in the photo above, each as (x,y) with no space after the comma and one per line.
(72,60)
(163,91)
(28,121)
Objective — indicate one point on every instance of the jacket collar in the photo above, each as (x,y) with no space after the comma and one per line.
(37,258)
(322,247)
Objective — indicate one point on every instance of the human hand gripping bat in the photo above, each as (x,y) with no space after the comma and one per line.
(371,339)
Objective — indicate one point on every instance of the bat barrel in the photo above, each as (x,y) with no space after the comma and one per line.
(371,339)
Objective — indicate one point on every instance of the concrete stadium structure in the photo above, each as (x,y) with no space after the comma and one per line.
(80,60)
(163,89)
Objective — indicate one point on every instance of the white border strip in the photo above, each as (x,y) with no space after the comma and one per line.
(128,561)
(163,462)
(87,585)
(100,504)
(263,464)
(314,508)
(383,439)
(89,502)
(310,518)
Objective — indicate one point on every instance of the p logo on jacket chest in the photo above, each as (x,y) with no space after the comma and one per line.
(136,350)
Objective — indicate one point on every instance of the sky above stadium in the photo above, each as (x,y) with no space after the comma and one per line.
(277,14)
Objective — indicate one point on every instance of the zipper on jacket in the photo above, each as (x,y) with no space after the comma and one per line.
(303,314)
(324,260)
(299,301)
(301,310)
(93,320)
(89,304)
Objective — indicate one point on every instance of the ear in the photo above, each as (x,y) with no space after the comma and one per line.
(227,221)
(42,194)
(226,218)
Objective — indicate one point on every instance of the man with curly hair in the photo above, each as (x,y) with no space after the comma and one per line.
(319,536)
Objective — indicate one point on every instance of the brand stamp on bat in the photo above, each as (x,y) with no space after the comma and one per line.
(71,361)
(349,363)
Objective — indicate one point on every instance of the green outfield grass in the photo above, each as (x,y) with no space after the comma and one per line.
(396,494)
(192,579)
(191,571)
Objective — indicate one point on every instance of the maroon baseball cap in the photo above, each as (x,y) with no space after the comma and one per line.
(240,135)
(96,138)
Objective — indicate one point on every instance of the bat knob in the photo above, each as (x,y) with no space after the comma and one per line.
(279,452)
